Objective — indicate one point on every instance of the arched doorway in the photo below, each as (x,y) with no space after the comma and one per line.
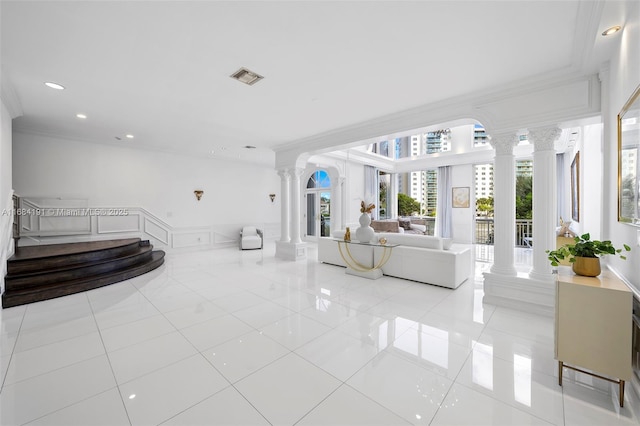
(318,201)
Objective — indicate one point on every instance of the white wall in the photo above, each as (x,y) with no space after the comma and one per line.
(6,185)
(624,78)
(589,145)
(463,219)
(354,193)
(591,180)
(6,203)
(162,183)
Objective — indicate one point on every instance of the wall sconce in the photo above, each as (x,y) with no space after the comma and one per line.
(198,193)
(272,196)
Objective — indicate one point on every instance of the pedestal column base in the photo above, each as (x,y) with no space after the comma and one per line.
(520,292)
(291,251)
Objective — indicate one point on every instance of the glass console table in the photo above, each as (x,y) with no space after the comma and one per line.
(357,268)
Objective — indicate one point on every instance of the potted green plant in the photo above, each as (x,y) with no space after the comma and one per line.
(585,254)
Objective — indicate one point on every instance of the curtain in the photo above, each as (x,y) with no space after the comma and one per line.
(443,210)
(371,189)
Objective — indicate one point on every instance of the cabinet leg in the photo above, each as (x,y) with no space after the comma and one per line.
(621,393)
(560,368)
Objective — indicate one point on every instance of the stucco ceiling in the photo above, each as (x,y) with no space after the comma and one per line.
(160,69)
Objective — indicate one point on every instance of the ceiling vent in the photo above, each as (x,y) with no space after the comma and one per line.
(245,76)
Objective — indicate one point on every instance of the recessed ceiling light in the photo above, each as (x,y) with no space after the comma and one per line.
(129,136)
(249,147)
(81,116)
(611,30)
(54,85)
(246,76)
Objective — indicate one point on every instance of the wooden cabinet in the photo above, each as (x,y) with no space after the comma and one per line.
(593,326)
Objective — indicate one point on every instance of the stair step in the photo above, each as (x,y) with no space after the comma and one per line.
(55,256)
(68,272)
(64,288)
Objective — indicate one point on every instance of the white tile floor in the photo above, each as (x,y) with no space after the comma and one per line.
(231,337)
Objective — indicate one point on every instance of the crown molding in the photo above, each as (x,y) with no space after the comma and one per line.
(514,107)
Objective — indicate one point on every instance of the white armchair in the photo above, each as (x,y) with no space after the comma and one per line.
(250,238)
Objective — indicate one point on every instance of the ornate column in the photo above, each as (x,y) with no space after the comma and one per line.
(393,206)
(336,205)
(291,247)
(544,200)
(504,216)
(284,205)
(295,204)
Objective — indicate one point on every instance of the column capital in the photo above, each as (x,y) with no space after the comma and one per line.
(504,143)
(296,172)
(284,174)
(543,139)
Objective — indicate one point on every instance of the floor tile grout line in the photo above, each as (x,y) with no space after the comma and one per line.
(106,353)
(56,341)
(508,404)
(4,376)
(484,330)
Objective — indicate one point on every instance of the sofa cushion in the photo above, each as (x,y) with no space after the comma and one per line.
(420,228)
(413,240)
(405,223)
(385,225)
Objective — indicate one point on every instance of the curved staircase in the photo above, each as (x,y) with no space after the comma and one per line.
(36,273)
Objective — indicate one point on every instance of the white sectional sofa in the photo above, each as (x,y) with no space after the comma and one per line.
(419,258)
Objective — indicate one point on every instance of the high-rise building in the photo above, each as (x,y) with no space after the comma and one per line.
(524,168)
(480,137)
(484,180)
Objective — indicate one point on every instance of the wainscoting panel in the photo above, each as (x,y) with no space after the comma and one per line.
(191,239)
(156,231)
(58,222)
(114,224)
(66,224)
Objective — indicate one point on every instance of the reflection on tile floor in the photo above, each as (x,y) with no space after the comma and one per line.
(230,337)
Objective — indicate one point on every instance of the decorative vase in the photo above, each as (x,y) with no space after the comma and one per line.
(587,266)
(365,233)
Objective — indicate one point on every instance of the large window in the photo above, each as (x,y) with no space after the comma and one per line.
(414,145)
(319,179)
(480,137)
(430,192)
(318,200)
(384,193)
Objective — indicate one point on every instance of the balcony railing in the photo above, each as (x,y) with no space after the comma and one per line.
(485,231)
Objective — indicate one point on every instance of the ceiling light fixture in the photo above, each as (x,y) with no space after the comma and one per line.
(246,76)
(54,85)
(611,30)
(81,116)
(249,147)
(129,136)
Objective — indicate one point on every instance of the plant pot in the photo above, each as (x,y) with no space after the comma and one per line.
(587,266)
